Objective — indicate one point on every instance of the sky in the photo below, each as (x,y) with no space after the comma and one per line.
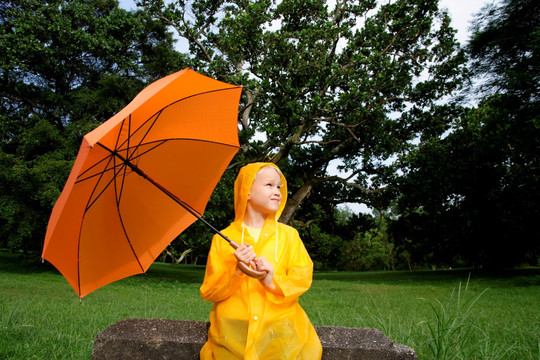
(461,12)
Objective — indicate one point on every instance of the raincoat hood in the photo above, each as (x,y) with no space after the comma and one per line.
(242,186)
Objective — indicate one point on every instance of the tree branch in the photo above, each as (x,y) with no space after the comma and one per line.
(355,185)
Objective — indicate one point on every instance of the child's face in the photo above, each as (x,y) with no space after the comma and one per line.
(265,196)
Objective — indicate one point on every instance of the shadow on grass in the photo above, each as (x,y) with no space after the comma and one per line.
(18,263)
(511,277)
(180,272)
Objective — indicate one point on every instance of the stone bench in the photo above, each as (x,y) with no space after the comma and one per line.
(153,339)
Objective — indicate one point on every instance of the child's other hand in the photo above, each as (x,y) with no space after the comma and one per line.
(263,265)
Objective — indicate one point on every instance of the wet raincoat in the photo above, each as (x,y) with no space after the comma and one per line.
(249,321)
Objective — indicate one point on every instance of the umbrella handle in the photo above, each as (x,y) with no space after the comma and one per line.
(246,269)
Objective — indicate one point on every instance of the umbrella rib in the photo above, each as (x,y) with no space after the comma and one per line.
(81,179)
(118,197)
(128,140)
(120,132)
(156,116)
(88,206)
(107,158)
(130,135)
(98,174)
(155,146)
(78,258)
(200,94)
(110,158)
(90,203)
(158,143)
(202,140)
(118,194)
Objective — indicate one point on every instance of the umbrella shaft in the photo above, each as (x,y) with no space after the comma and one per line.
(242,266)
(141,173)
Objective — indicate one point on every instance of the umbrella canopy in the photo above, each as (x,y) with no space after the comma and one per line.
(120,206)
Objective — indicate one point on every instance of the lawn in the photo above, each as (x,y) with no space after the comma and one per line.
(441,314)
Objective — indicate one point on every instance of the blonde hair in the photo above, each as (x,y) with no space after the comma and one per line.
(268,166)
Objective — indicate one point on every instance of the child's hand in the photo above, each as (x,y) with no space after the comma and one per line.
(263,265)
(245,254)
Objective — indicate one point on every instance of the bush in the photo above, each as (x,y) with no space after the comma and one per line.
(367,251)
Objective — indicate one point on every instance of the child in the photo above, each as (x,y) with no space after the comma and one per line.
(259,319)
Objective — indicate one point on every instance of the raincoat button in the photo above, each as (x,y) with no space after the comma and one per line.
(255,318)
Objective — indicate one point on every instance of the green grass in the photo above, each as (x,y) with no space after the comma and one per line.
(441,314)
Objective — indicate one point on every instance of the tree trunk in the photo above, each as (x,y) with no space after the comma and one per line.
(295,201)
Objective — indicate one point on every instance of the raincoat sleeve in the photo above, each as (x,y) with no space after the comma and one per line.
(220,279)
(294,277)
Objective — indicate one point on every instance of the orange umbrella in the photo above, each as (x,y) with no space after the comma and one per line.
(120,206)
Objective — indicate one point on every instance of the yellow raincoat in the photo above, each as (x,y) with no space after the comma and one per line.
(247,320)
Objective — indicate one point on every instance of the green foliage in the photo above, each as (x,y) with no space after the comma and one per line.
(505,48)
(38,182)
(367,251)
(66,66)
(472,197)
(324,248)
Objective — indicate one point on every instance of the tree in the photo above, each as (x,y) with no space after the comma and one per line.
(352,84)
(505,49)
(65,67)
(473,197)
